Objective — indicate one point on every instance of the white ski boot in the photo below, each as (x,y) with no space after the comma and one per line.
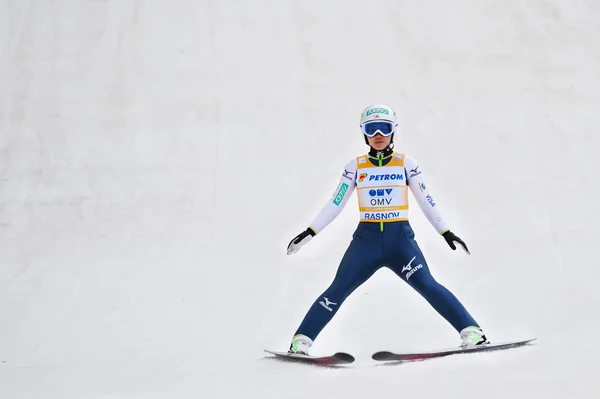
(300,344)
(472,336)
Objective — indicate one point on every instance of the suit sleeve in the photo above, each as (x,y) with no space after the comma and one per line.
(337,202)
(416,182)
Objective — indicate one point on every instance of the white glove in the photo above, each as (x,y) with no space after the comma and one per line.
(301,239)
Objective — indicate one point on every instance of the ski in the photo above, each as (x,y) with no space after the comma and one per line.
(404,357)
(337,358)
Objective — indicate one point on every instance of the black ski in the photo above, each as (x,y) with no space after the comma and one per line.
(337,358)
(403,357)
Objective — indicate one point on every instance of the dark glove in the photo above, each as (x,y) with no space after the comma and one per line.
(451,238)
(300,240)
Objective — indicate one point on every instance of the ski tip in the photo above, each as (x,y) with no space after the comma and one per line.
(345,357)
(526,341)
(514,343)
(382,355)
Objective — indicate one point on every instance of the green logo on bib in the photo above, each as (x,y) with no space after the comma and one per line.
(340,195)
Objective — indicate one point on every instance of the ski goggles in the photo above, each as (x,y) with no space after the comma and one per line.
(382,127)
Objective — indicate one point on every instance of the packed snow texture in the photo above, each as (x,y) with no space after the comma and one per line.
(156,157)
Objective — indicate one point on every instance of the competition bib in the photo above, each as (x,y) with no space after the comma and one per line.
(382,190)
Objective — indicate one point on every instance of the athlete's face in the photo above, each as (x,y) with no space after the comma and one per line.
(379,142)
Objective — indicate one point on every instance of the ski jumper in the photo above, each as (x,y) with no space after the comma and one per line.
(383,238)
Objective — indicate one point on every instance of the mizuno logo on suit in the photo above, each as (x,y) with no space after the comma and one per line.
(411,270)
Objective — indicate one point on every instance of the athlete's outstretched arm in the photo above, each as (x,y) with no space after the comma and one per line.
(338,200)
(330,210)
(416,182)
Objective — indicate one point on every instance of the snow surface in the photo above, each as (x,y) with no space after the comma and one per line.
(157,156)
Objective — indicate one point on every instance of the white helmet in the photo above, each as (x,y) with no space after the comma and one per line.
(378,113)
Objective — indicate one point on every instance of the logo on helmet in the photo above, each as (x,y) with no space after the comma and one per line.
(377,111)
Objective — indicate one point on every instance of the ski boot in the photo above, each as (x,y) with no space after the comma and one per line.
(300,344)
(472,336)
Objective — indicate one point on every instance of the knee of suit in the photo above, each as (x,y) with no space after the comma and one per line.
(424,283)
(337,294)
